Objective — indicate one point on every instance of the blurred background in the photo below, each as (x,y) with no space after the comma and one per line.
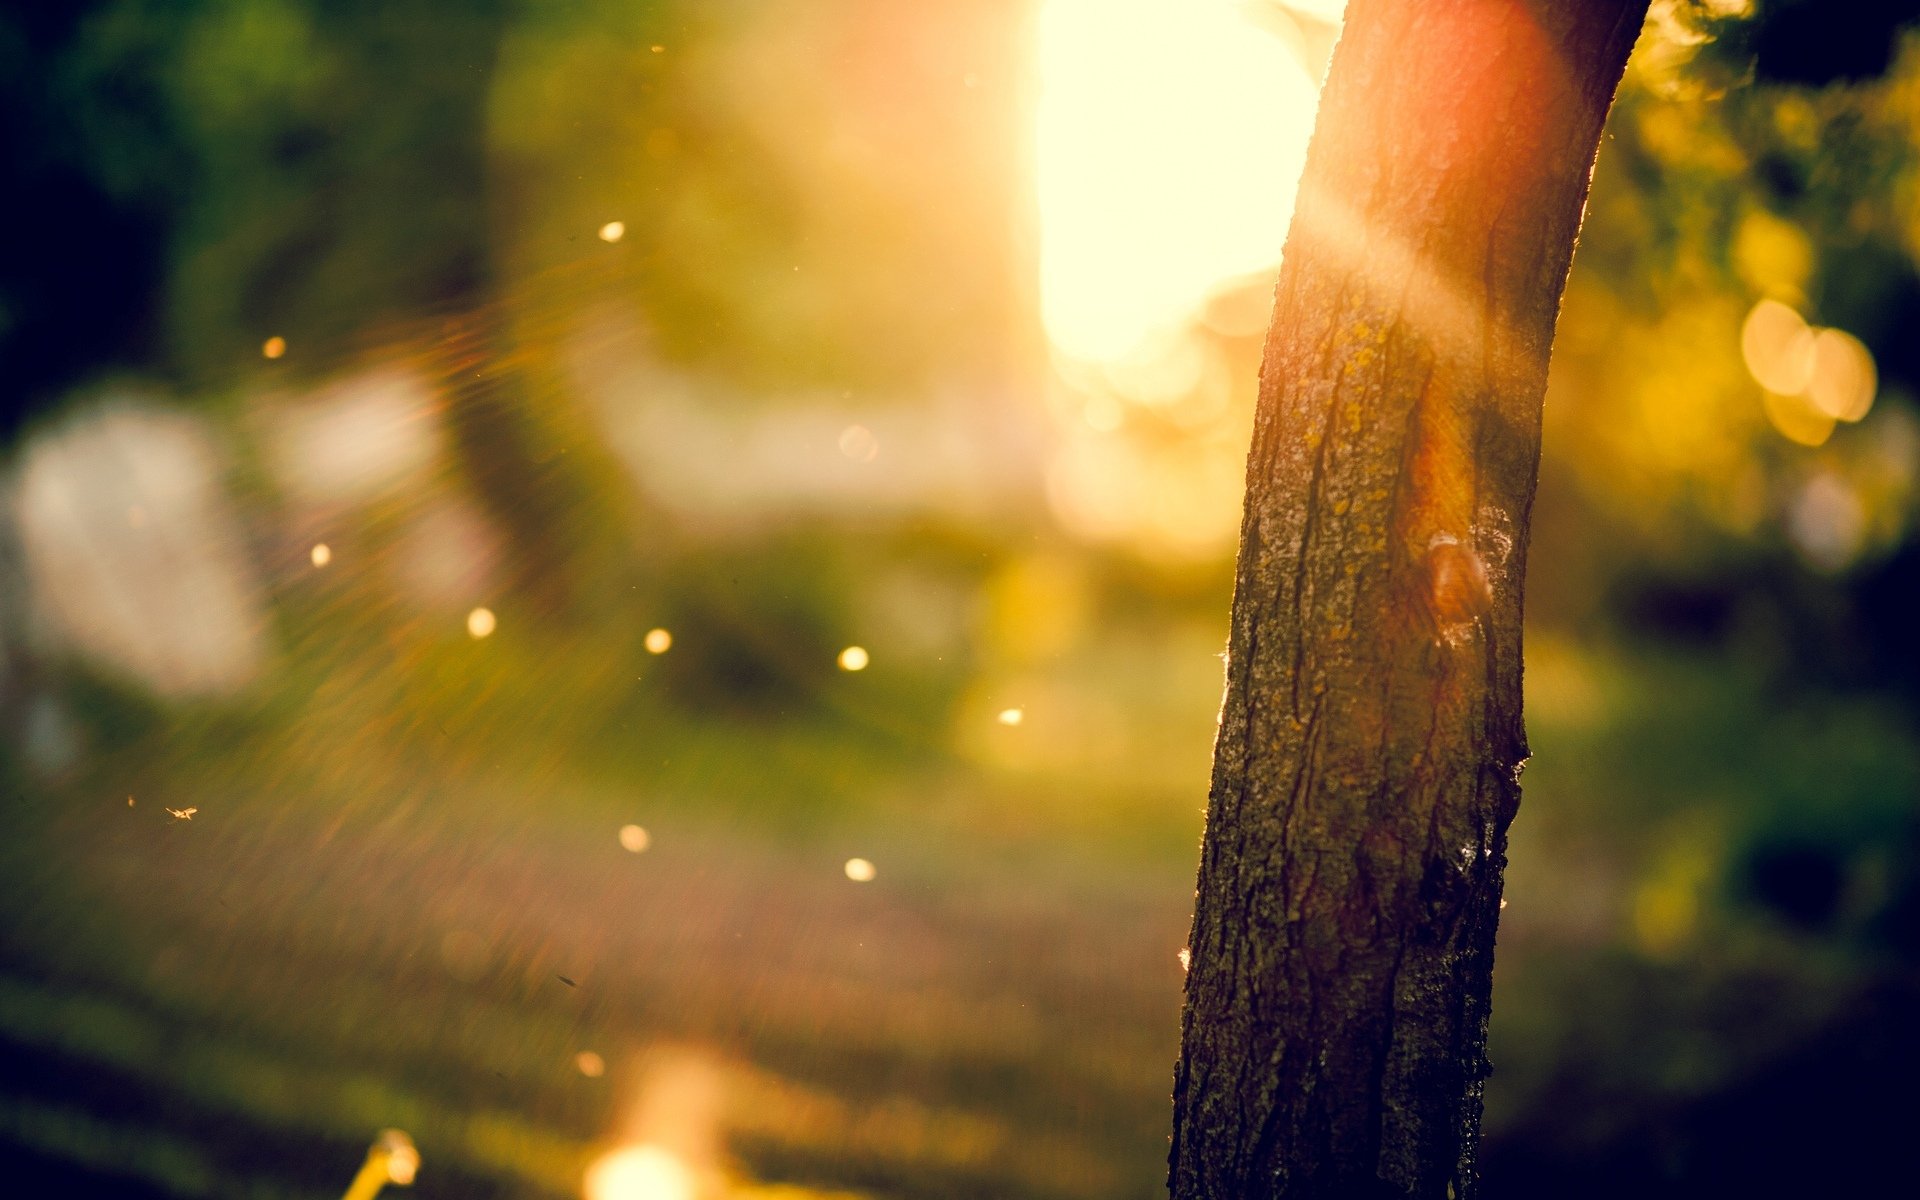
(635,588)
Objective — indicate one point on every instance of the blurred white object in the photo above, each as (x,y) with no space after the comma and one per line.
(705,451)
(132,552)
(356,438)
(448,554)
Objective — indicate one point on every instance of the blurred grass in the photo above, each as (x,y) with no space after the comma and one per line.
(996,1014)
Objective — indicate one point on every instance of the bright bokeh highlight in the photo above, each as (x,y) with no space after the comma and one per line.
(1844,378)
(1777,346)
(1813,377)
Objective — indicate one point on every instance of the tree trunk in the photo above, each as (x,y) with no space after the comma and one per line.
(1370,743)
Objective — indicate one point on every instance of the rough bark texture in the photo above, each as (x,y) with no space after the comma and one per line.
(1370,743)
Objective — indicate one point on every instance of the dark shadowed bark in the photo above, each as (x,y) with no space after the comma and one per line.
(1370,743)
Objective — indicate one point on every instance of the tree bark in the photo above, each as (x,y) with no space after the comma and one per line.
(1370,743)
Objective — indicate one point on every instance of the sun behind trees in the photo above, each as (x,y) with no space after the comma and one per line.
(1370,745)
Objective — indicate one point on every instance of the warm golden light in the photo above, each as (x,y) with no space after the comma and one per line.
(481,623)
(1170,136)
(1844,378)
(1778,348)
(1796,419)
(613,231)
(658,641)
(860,870)
(640,1173)
(1813,377)
(634,839)
(1012,716)
(854,658)
(590,1064)
(273,347)
(322,554)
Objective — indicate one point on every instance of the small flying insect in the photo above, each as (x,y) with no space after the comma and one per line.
(183,814)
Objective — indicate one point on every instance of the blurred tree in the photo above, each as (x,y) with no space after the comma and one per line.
(77,294)
(215,173)
(1367,763)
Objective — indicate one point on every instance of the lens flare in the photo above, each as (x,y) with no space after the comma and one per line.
(1149,196)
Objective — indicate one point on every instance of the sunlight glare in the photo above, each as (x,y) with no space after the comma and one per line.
(860,870)
(639,1173)
(853,658)
(1169,138)
(613,231)
(322,554)
(480,623)
(634,839)
(1012,716)
(658,641)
